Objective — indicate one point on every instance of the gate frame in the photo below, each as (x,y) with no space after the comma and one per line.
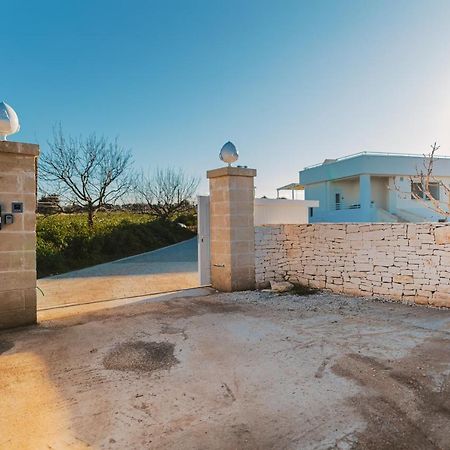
(204,240)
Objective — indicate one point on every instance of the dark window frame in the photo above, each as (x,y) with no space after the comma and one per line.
(434,188)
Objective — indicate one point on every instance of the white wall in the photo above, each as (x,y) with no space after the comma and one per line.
(278,211)
(345,215)
(380,191)
(404,202)
(374,164)
(317,191)
(349,190)
(390,193)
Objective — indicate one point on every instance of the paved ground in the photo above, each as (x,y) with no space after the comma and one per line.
(167,269)
(229,371)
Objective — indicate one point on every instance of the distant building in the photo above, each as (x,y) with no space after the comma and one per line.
(373,187)
(49,204)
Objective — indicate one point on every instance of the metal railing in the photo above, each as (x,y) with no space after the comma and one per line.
(339,206)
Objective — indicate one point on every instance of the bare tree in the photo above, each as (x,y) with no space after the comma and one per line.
(425,187)
(167,192)
(89,172)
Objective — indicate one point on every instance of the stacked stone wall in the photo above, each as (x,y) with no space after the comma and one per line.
(407,262)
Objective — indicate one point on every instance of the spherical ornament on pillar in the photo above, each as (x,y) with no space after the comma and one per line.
(9,122)
(229,153)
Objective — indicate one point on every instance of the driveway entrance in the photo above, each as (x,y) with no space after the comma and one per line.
(249,370)
(164,270)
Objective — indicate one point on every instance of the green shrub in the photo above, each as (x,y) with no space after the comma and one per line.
(64,241)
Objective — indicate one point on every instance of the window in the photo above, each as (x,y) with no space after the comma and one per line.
(417,190)
(434,190)
(337,198)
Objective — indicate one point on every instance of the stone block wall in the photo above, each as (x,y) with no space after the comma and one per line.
(18,240)
(408,262)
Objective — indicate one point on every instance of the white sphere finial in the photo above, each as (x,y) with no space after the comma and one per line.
(9,122)
(228,153)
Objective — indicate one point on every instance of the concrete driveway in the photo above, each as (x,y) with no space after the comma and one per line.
(163,270)
(248,370)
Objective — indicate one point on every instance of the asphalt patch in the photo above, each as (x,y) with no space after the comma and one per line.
(141,356)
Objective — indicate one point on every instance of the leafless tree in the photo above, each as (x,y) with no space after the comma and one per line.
(90,172)
(167,192)
(423,182)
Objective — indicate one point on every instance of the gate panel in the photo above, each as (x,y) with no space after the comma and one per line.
(204,258)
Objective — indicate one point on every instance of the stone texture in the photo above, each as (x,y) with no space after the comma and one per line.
(399,261)
(442,235)
(281,286)
(232,236)
(18,241)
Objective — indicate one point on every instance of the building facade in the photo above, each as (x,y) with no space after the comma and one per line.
(375,187)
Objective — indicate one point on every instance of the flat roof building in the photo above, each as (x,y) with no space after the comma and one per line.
(375,187)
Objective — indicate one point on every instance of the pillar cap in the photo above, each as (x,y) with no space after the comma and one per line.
(19,148)
(231,171)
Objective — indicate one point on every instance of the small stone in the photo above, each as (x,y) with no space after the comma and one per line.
(281,286)
(442,235)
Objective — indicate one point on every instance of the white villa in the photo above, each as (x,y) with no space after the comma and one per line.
(373,187)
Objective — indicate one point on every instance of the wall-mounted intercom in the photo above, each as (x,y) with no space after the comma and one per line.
(8,218)
(16,207)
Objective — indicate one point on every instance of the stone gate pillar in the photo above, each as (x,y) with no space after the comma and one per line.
(232,231)
(17,234)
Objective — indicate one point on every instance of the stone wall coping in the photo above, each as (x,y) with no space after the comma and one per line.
(360,224)
(19,148)
(231,171)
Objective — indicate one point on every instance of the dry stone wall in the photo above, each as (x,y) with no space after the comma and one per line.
(408,262)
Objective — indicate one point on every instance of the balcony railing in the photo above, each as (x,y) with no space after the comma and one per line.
(338,206)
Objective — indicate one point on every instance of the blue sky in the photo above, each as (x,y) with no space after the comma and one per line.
(289,82)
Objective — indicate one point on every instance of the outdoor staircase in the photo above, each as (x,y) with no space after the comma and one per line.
(407,216)
(386,216)
(400,216)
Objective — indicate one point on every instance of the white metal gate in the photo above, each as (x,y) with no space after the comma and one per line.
(204,269)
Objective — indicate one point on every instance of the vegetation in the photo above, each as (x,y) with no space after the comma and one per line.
(89,172)
(87,178)
(167,192)
(425,187)
(67,242)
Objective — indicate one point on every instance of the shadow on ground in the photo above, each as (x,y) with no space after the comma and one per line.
(245,370)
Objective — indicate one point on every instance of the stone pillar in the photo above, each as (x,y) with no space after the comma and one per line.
(365,192)
(232,233)
(18,240)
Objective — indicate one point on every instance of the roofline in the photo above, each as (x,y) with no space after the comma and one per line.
(292,187)
(286,202)
(369,153)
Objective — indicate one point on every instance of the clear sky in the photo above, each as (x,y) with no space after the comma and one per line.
(289,82)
